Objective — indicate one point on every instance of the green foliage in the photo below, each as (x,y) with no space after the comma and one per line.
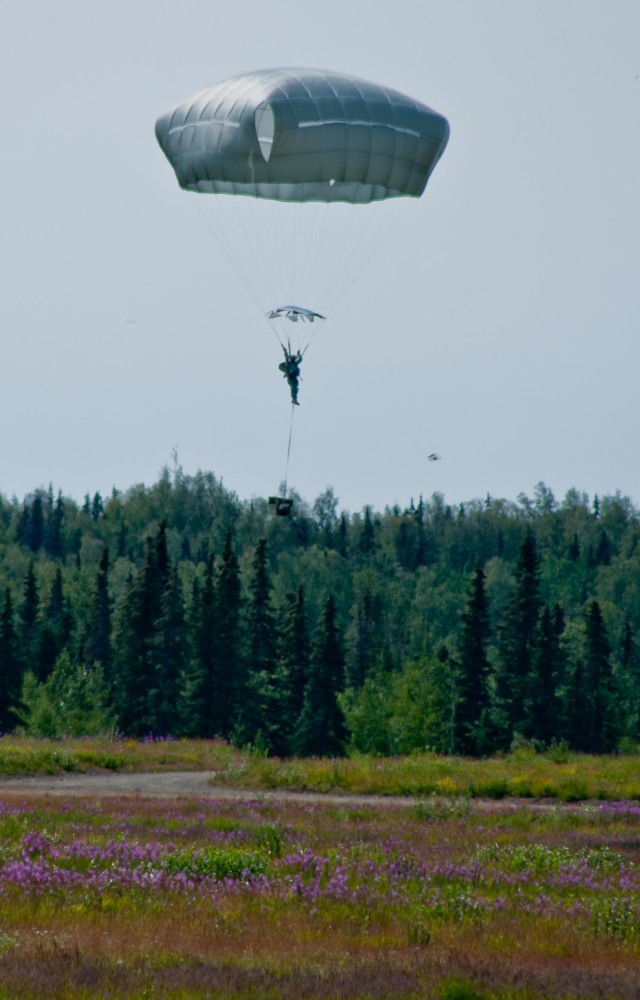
(10,668)
(472,704)
(515,660)
(403,711)
(73,701)
(461,988)
(184,597)
(558,751)
(261,715)
(617,918)
(269,838)
(321,729)
(293,666)
(217,862)
(550,860)
(436,808)
(369,713)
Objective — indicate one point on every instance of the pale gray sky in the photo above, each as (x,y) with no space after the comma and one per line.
(498,325)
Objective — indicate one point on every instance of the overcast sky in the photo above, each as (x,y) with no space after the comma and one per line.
(497,325)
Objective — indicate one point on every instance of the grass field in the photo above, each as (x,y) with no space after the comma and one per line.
(137,897)
(473,892)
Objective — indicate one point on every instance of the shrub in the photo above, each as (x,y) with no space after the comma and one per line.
(218,863)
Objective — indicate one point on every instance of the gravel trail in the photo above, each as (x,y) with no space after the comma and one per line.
(174,784)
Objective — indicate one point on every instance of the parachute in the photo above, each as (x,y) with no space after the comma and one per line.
(295,314)
(291,149)
(303,135)
(298,166)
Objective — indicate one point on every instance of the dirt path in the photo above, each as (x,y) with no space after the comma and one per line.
(199,784)
(174,784)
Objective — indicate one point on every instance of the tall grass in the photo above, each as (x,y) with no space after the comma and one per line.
(29,756)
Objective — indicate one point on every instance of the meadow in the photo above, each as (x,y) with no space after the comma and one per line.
(511,878)
(449,897)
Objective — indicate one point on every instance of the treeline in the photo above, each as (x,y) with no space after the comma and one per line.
(178,609)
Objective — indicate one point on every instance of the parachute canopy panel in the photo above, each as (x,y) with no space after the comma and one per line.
(303,135)
(265,129)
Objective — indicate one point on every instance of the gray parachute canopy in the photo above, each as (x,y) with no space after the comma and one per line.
(303,135)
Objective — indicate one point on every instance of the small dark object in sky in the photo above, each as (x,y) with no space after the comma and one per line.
(282,505)
(433,457)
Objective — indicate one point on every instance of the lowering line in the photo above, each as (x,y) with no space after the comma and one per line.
(286,472)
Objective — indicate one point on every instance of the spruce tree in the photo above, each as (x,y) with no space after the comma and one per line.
(260,614)
(191,681)
(55,628)
(325,512)
(517,636)
(97,646)
(10,667)
(97,507)
(405,546)
(213,685)
(22,525)
(542,721)
(577,708)
(231,679)
(601,723)
(471,729)
(293,668)
(342,544)
(592,720)
(365,641)
(135,655)
(604,550)
(421,540)
(170,649)
(53,540)
(367,540)
(121,550)
(200,682)
(574,549)
(161,566)
(629,659)
(262,716)
(132,635)
(29,629)
(628,652)
(35,535)
(321,730)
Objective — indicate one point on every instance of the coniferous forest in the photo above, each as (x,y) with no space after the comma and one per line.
(180,610)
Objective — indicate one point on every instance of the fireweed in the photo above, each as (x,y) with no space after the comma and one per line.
(206,854)
(381,881)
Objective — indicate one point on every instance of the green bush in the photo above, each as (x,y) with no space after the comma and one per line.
(73,701)
(457,988)
(218,863)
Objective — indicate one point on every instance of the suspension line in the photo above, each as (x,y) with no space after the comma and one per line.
(286,471)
